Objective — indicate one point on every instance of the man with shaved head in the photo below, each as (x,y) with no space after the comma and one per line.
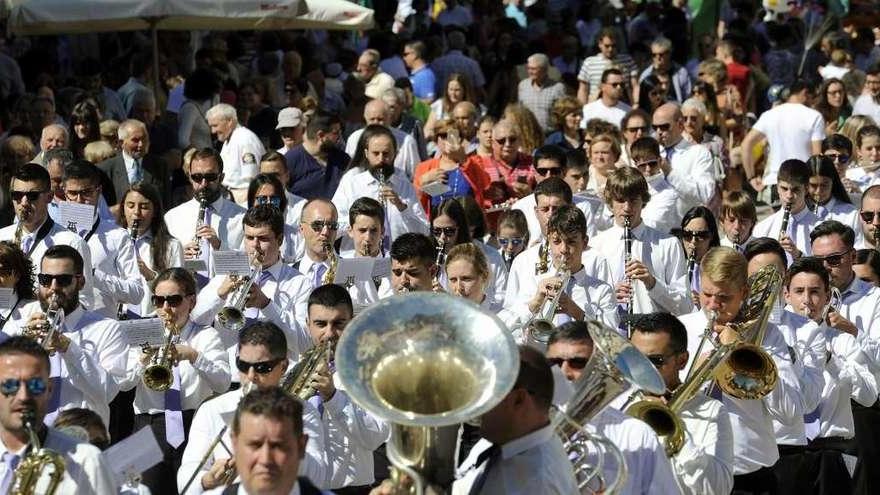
(377,112)
(464,114)
(689,167)
(869,217)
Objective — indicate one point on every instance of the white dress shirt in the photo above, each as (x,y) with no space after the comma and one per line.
(86,471)
(241,155)
(728,243)
(294,209)
(357,183)
(94,362)
(226,220)
(209,420)
(845,213)
(365,292)
(800,225)
(531,464)
(594,209)
(173,259)
(288,293)
(116,274)
(754,445)
(661,212)
(861,305)
(208,375)
(407,151)
(692,174)
(806,343)
(664,258)
(648,468)
(704,465)
(351,434)
(527,205)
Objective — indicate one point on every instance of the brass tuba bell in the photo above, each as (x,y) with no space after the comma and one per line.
(426,362)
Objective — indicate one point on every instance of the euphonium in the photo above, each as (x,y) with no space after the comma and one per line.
(330,274)
(425,363)
(44,333)
(159,374)
(36,460)
(614,366)
(297,381)
(231,316)
(539,327)
(786,215)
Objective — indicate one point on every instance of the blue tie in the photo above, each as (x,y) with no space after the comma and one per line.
(11,461)
(173,414)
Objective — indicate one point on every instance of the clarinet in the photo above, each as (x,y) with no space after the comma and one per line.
(786,215)
(627,246)
(691,267)
(133,231)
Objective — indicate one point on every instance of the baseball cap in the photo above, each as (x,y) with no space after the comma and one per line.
(289,117)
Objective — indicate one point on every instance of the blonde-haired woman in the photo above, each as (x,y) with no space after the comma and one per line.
(531,134)
(467,272)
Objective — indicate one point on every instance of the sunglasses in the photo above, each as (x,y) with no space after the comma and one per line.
(833,260)
(661,127)
(198,178)
(318,225)
(543,171)
(696,235)
(649,163)
(63,280)
(173,300)
(262,368)
(449,231)
(839,158)
(514,241)
(615,84)
(30,195)
(869,216)
(35,386)
(507,140)
(575,362)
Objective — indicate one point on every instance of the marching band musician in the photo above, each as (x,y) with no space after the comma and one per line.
(270,442)
(35,231)
(649,471)
(261,363)
(698,234)
(265,189)
(869,215)
(656,260)
(199,368)
(807,352)
(114,267)
(366,219)
(723,290)
(87,349)
(583,296)
(25,384)
(16,273)
(467,272)
(351,434)
(738,219)
(413,265)
(220,227)
(792,182)
(274,164)
(830,430)
(829,199)
(319,227)
(519,452)
(372,173)
(278,292)
(704,465)
(661,211)
(859,316)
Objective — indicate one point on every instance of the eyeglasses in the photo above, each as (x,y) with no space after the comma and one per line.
(661,127)
(35,386)
(833,260)
(543,171)
(648,164)
(514,241)
(507,140)
(696,235)
(318,225)
(262,368)
(30,195)
(869,216)
(839,158)
(575,362)
(659,360)
(449,231)
(70,193)
(198,178)
(637,129)
(173,300)
(63,280)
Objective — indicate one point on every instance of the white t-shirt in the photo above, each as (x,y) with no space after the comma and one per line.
(790,128)
(865,105)
(598,110)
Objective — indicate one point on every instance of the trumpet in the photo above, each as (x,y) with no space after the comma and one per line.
(297,381)
(786,215)
(834,303)
(31,469)
(543,263)
(539,328)
(231,316)
(159,374)
(45,333)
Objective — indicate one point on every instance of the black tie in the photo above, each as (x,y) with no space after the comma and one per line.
(489,456)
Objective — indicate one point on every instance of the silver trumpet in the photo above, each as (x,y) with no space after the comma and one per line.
(425,363)
(834,303)
(45,333)
(786,216)
(538,329)
(231,316)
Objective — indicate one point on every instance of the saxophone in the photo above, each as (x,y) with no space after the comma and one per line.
(158,375)
(786,215)
(19,233)
(543,263)
(330,274)
(297,382)
(31,469)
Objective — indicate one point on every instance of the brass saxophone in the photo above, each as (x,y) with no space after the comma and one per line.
(330,274)
(31,468)
(786,215)
(158,375)
(543,263)
(19,233)
(297,381)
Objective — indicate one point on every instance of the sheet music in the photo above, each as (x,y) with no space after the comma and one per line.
(7,297)
(134,455)
(353,270)
(76,217)
(139,332)
(231,262)
(381,267)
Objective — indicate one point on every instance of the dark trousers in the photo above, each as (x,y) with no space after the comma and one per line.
(867,449)
(760,482)
(162,478)
(121,416)
(813,469)
(353,490)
